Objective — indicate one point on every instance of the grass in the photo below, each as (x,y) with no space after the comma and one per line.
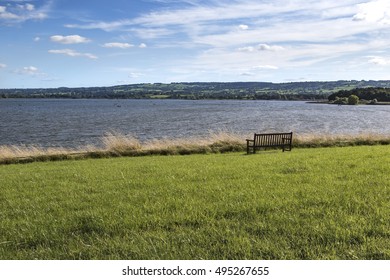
(116,144)
(325,203)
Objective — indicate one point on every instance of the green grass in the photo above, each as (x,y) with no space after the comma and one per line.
(325,203)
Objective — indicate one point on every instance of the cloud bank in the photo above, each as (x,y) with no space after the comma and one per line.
(73,53)
(14,13)
(71,39)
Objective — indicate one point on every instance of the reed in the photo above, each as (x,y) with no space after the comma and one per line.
(215,142)
(31,152)
(120,143)
(337,140)
(114,144)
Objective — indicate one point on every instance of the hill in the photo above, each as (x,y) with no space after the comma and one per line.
(200,90)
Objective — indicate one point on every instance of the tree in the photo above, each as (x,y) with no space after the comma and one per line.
(353,100)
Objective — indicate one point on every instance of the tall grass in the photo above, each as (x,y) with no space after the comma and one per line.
(339,140)
(120,143)
(14,151)
(115,144)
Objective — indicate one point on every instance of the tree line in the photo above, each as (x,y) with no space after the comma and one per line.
(213,90)
(372,94)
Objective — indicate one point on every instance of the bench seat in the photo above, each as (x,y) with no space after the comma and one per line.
(269,140)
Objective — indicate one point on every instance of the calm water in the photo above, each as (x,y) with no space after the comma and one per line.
(72,123)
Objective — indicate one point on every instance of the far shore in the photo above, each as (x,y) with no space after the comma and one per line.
(363,103)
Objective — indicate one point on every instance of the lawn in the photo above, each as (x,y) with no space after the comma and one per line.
(323,203)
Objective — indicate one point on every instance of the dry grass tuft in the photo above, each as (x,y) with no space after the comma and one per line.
(318,140)
(215,142)
(120,143)
(22,154)
(117,144)
(30,151)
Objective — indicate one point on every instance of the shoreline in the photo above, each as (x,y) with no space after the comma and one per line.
(308,101)
(118,145)
(328,103)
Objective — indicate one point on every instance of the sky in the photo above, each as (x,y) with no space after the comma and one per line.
(81,43)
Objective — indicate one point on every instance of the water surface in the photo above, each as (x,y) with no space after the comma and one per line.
(75,122)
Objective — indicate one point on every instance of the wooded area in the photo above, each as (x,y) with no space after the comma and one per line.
(370,94)
(208,90)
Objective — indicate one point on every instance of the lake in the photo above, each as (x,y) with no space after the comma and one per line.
(78,122)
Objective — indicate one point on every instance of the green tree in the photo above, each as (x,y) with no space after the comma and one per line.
(353,100)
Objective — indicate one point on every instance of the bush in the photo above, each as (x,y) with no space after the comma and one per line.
(374,101)
(353,100)
(340,100)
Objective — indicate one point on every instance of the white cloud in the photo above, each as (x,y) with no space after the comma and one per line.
(378,60)
(106,26)
(73,53)
(29,7)
(298,34)
(154,33)
(142,45)
(339,11)
(28,70)
(16,13)
(37,39)
(246,49)
(261,47)
(265,67)
(277,18)
(2,65)
(135,75)
(294,59)
(243,27)
(249,74)
(203,14)
(374,12)
(67,40)
(5,15)
(265,47)
(271,21)
(118,45)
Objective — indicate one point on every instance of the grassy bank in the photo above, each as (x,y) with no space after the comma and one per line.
(116,144)
(326,203)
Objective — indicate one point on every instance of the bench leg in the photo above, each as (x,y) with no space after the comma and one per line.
(250,150)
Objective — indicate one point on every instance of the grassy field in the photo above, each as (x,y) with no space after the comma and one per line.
(324,203)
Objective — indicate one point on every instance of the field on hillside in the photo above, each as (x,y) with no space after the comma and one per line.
(323,203)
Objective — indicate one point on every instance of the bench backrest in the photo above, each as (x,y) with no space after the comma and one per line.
(272,139)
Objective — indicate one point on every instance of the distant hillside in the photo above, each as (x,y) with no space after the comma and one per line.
(378,94)
(201,90)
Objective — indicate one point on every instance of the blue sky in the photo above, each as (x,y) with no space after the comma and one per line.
(73,43)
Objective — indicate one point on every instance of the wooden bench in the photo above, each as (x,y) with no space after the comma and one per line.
(269,140)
